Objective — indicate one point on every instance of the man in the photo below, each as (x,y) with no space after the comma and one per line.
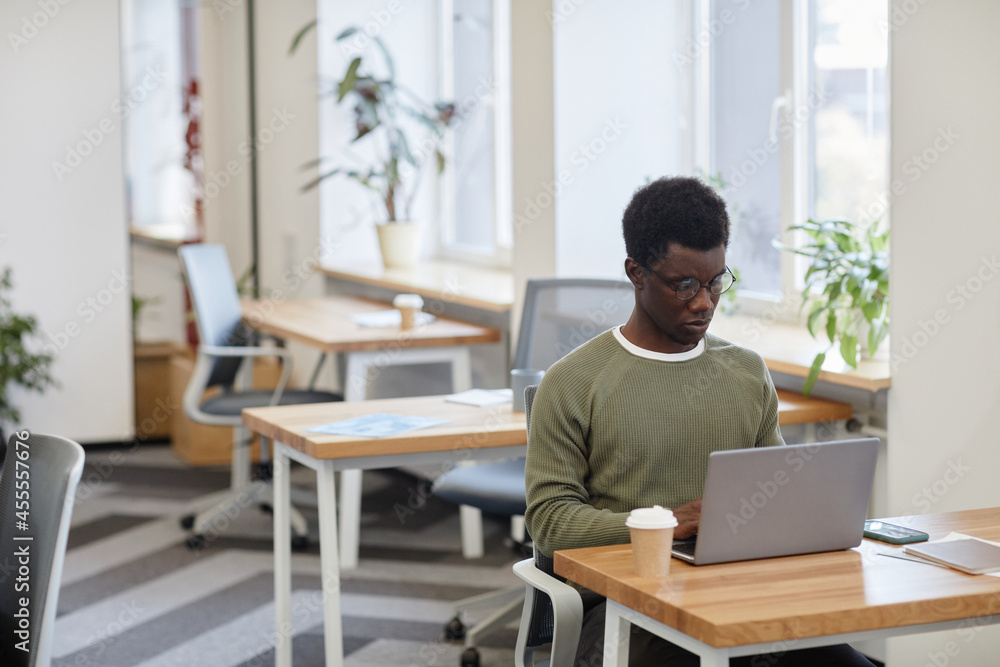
(628,419)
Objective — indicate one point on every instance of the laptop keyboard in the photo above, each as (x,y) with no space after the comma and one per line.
(685,546)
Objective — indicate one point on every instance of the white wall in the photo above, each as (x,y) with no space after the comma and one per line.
(613,129)
(66,239)
(943,452)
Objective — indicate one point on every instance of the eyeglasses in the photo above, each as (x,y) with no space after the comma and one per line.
(689,287)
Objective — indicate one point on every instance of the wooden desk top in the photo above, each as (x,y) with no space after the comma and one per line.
(776,599)
(324,323)
(798,409)
(470,427)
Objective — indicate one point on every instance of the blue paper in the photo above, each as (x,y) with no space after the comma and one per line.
(378,425)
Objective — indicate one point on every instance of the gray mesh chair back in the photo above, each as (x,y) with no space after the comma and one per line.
(561,314)
(216,304)
(49,467)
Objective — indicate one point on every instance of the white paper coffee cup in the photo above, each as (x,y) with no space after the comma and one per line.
(408,306)
(652,533)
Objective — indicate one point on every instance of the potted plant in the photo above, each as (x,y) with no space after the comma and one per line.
(18,365)
(846,289)
(386,115)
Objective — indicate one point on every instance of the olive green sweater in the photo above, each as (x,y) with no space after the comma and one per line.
(612,430)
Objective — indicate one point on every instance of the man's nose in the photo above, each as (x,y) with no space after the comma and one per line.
(702,301)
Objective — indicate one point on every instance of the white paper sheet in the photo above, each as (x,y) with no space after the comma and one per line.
(482,397)
(387,318)
(378,425)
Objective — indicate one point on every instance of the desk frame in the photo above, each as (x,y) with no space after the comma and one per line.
(329,561)
(620,618)
(361,352)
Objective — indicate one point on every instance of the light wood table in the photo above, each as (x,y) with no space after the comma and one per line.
(773,605)
(325,324)
(472,433)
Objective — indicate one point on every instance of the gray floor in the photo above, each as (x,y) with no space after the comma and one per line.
(133,594)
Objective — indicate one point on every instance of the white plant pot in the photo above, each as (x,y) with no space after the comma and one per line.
(400,244)
(864,352)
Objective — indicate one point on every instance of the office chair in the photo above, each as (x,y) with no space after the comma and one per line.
(48,468)
(552,615)
(225,344)
(559,315)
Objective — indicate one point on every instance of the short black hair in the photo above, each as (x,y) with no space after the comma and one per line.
(673,209)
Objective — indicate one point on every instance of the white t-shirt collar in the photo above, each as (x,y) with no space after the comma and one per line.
(657,356)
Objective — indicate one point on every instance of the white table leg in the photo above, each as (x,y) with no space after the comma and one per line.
(329,563)
(355,389)
(471,522)
(282,559)
(715,659)
(616,637)
(350,518)
(461,370)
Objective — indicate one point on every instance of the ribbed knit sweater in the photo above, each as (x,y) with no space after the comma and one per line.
(612,430)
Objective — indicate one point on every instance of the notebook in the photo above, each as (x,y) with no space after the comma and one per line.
(968,555)
(781,501)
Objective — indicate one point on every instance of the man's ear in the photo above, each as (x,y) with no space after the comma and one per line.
(635,273)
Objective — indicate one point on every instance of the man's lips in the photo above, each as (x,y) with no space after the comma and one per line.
(698,324)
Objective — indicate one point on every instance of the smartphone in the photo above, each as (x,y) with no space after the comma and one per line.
(891,533)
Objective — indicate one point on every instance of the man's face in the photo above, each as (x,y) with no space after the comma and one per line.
(678,325)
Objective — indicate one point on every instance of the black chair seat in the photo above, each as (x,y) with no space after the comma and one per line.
(234,403)
(496,487)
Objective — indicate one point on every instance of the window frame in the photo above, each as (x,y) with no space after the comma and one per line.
(796,153)
(446,245)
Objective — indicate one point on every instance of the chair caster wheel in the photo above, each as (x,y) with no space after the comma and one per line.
(470,658)
(454,629)
(187,522)
(266,508)
(196,542)
(300,543)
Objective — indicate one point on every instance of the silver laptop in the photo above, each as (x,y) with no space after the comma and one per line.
(781,501)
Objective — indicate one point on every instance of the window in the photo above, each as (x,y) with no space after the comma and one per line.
(159,111)
(476,187)
(791,108)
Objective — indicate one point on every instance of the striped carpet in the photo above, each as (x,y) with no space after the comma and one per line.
(133,594)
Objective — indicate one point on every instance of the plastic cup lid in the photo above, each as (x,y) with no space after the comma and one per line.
(408,301)
(651,517)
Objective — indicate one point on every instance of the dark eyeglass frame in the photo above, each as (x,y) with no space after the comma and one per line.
(696,286)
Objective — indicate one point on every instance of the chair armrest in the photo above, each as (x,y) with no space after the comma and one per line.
(203,368)
(567,614)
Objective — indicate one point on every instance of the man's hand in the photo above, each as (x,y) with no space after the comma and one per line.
(688,517)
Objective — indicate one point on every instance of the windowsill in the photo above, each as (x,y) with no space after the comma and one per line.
(160,236)
(477,287)
(786,348)
(789,349)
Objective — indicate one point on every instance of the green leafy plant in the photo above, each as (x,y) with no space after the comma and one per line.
(385,112)
(18,365)
(139,304)
(846,291)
